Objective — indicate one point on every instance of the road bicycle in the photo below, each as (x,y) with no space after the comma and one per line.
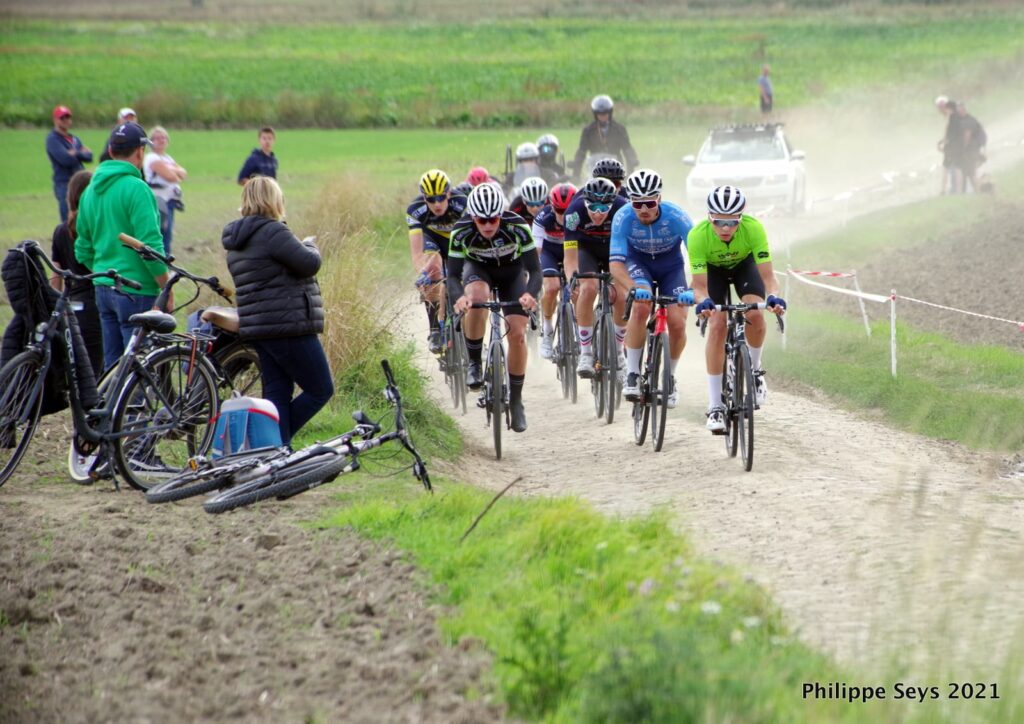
(256,475)
(566,350)
(454,359)
(156,408)
(605,383)
(738,391)
(656,373)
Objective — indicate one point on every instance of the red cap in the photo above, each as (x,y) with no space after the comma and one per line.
(61,111)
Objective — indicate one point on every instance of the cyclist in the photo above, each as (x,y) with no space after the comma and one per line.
(493,248)
(730,247)
(550,169)
(646,247)
(588,222)
(549,232)
(430,218)
(604,136)
(530,199)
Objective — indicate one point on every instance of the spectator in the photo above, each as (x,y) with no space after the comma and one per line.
(63,255)
(262,161)
(117,201)
(949,171)
(280,309)
(67,154)
(164,176)
(125,115)
(972,148)
(604,137)
(952,149)
(765,90)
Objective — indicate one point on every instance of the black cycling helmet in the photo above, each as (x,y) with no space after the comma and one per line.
(610,168)
(599,190)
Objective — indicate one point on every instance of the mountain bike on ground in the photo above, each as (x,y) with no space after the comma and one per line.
(156,408)
(605,383)
(655,373)
(566,350)
(279,473)
(738,391)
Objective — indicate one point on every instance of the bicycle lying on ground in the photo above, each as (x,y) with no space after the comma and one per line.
(156,407)
(655,373)
(605,384)
(256,475)
(738,391)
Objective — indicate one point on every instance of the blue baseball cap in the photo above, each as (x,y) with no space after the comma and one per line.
(128,136)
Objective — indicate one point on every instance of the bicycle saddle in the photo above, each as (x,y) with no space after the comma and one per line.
(154,321)
(224,317)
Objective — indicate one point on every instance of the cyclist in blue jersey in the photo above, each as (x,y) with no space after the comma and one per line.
(646,249)
(549,234)
(430,218)
(588,222)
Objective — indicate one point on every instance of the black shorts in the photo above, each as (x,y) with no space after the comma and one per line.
(509,280)
(593,257)
(435,244)
(744,277)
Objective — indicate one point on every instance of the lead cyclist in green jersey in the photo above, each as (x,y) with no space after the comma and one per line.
(730,247)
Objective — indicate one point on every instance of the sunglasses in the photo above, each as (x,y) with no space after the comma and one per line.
(726,223)
(597,207)
(646,203)
(436,199)
(487,219)
(534,204)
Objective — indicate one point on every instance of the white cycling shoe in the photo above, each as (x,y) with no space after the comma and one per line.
(631,390)
(546,347)
(760,387)
(585,367)
(716,419)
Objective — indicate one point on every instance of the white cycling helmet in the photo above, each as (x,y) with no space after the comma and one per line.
(527,151)
(643,183)
(548,139)
(602,104)
(534,190)
(726,200)
(485,201)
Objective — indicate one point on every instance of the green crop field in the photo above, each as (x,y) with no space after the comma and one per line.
(505,72)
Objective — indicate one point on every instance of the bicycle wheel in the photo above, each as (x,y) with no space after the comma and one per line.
(177,395)
(458,357)
(79,463)
(660,384)
(193,482)
(730,402)
(610,370)
(241,365)
(599,379)
(497,382)
(745,416)
(21,397)
(641,414)
(282,483)
(571,349)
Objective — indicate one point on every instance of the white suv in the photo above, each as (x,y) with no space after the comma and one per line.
(755,157)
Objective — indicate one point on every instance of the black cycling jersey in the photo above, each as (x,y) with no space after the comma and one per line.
(579,227)
(511,245)
(436,229)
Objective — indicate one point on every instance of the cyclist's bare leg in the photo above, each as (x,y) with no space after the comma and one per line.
(676,331)
(714,351)
(755,327)
(517,354)
(549,299)
(585,304)
(475,321)
(636,334)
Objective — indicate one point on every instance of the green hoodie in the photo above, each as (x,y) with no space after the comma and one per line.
(118,200)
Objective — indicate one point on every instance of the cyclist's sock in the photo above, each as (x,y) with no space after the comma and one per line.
(755,356)
(549,326)
(515,392)
(620,335)
(633,360)
(673,362)
(714,390)
(586,335)
(431,314)
(475,348)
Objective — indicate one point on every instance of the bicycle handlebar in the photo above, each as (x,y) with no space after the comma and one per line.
(148,252)
(702,322)
(68,275)
(661,300)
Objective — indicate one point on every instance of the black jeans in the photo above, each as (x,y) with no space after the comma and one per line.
(290,361)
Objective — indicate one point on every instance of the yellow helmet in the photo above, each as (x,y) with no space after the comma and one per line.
(435,182)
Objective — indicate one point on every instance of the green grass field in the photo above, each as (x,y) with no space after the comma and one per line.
(507,72)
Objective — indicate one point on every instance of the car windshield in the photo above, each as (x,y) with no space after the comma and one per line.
(748,148)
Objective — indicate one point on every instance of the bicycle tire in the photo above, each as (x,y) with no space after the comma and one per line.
(610,370)
(284,482)
(19,382)
(729,402)
(746,411)
(571,350)
(560,355)
(497,380)
(191,483)
(241,365)
(641,414)
(597,380)
(144,458)
(457,367)
(658,389)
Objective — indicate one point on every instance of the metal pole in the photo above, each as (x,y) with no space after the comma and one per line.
(860,301)
(892,330)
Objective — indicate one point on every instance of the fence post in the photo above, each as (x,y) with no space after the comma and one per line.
(860,301)
(892,330)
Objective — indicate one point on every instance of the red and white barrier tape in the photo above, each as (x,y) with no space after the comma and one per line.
(1019,324)
(822,273)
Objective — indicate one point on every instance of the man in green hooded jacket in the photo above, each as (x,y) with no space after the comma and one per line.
(119,201)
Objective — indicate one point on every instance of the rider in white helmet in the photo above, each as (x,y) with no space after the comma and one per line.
(551,169)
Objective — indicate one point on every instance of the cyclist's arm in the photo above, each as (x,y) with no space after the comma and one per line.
(416,249)
(771,284)
(699,282)
(538,235)
(571,260)
(531,262)
(453,284)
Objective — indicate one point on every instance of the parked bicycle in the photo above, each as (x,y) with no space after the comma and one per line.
(738,392)
(605,383)
(279,473)
(156,407)
(655,373)
(566,350)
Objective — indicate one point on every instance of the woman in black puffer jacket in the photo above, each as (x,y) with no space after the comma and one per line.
(280,309)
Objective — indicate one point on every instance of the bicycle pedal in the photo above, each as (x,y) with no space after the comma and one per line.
(718,432)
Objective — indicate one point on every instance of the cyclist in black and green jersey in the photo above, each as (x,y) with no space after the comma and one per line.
(491,248)
(731,248)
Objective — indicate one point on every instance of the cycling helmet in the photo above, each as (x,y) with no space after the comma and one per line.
(610,168)
(527,151)
(463,188)
(643,183)
(485,201)
(434,182)
(726,200)
(599,190)
(534,190)
(561,196)
(548,145)
(478,175)
(602,104)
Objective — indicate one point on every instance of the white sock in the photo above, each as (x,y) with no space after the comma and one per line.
(755,357)
(620,335)
(549,326)
(633,360)
(673,363)
(586,333)
(714,390)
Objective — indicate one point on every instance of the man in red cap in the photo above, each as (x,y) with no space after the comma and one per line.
(67,154)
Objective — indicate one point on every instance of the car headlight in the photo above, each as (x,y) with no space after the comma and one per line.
(780,178)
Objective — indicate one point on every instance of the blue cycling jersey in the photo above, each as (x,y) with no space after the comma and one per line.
(667,233)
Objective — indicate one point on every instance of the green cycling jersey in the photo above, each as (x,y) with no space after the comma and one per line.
(706,249)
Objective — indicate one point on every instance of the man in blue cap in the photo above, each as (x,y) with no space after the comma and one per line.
(117,201)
